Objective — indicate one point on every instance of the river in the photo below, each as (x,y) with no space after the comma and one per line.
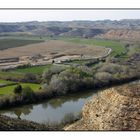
(53,110)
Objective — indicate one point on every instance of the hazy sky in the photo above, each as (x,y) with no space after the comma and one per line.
(66,15)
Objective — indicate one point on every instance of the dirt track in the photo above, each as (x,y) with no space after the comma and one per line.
(53,47)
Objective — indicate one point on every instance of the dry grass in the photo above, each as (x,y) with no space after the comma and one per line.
(53,46)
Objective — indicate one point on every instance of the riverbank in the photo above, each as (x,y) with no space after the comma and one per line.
(12,124)
(37,97)
(15,124)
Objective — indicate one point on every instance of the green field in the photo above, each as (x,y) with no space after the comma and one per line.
(9,89)
(6,43)
(34,69)
(116,46)
(5,82)
(6,75)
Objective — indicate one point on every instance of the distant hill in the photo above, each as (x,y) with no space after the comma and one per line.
(110,29)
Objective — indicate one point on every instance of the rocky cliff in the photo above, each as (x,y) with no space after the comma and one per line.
(112,109)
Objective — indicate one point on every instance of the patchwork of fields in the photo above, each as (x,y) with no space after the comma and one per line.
(18,46)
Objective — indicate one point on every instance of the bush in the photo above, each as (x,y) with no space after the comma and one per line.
(28,93)
(18,89)
(113,68)
(58,85)
(47,75)
(30,77)
(71,80)
(103,77)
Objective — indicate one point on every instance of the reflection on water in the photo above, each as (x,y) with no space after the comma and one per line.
(54,110)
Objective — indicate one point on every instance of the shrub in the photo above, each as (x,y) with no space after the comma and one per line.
(71,80)
(58,85)
(103,77)
(30,77)
(28,93)
(47,75)
(18,89)
(112,68)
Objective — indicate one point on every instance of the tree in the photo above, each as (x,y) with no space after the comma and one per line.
(18,89)
(28,93)
(47,74)
(30,77)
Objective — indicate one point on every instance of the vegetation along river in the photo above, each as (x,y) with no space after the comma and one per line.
(54,110)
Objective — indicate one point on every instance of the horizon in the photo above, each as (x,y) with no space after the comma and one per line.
(66,20)
(66,15)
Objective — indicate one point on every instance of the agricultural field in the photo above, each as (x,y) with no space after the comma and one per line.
(53,47)
(9,75)
(34,69)
(6,43)
(5,81)
(9,90)
(17,46)
(116,46)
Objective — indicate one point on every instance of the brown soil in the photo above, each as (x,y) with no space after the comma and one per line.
(53,47)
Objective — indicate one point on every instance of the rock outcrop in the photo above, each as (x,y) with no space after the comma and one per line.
(112,109)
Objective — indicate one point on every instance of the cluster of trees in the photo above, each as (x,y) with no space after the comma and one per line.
(74,79)
(26,92)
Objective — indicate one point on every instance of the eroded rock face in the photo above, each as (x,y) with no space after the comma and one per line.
(113,109)
(124,34)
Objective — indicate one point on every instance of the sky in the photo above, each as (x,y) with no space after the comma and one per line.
(66,15)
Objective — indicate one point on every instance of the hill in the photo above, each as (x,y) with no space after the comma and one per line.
(126,28)
(113,109)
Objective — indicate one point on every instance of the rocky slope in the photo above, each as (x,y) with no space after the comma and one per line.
(122,34)
(113,109)
(7,123)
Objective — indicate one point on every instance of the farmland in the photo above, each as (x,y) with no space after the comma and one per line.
(34,70)
(5,82)
(116,46)
(53,47)
(8,75)
(6,43)
(10,89)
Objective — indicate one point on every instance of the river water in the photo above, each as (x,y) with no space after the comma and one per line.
(54,110)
